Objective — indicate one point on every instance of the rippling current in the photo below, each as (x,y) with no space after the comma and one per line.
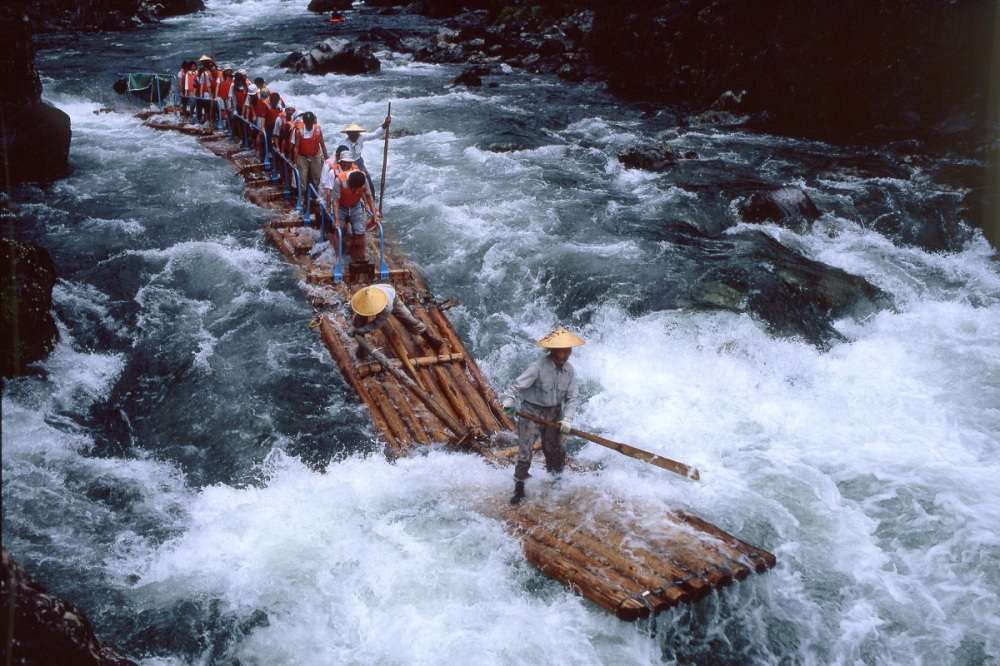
(190,469)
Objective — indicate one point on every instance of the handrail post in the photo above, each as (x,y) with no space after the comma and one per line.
(263,133)
(219,105)
(383,268)
(177,95)
(284,165)
(159,98)
(338,270)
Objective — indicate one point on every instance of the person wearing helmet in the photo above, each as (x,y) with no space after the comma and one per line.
(547,390)
(369,311)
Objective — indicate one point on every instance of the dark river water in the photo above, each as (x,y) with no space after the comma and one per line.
(191,470)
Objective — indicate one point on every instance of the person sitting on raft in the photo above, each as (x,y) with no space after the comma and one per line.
(369,311)
(356,137)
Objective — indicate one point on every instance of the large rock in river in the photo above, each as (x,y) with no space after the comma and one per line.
(334,55)
(29,332)
(46,629)
(36,136)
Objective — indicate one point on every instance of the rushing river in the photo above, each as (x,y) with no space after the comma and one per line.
(190,469)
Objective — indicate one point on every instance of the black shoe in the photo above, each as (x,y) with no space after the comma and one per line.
(518,495)
(434,343)
(361,354)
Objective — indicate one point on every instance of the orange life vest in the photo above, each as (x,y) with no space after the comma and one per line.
(348,195)
(190,82)
(260,108)
(270,116)
(225,84)
(309,146)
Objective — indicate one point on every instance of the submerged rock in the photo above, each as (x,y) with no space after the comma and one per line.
(658,157)
(752,273)
(29,331)
(48,630)
(334,55)
(323,6)
(788,206)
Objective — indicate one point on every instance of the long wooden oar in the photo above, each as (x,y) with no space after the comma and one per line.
(385,161)
(397,344)
(630,451)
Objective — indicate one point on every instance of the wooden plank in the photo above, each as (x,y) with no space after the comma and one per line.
(373,368)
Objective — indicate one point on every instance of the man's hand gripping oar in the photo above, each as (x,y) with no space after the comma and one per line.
(625,449)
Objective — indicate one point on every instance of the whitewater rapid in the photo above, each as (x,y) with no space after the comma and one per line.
(189,468)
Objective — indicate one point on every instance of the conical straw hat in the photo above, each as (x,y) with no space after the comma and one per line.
(560,339)
(204,58)
(353,127)
(369,301)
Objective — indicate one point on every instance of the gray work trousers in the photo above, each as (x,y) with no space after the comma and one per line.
(553,443)
(403,314)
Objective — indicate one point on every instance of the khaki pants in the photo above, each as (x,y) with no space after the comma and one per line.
(553,443)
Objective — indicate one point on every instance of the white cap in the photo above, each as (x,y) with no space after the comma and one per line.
(252,90)
(346,156)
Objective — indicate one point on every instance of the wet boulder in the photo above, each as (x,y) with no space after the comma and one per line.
(323,6)
(26,281)
(48,630)
(788,206)
(36,136)
(658,157)
(752,273)
(334,55)
(471,77)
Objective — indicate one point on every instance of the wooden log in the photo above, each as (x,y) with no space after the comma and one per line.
(461,379)
(569,550)
(553,564)
(628,575)
(503,422)
(651,571)
(674,572)
(342,359)
(419,362)
(401,405)
(380,396)
(460,432)
(392,337)
(763,560)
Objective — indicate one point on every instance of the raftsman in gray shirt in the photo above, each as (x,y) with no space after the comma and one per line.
(544,385)
(381,317)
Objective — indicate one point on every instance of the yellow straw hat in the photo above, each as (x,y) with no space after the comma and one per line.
(369,301)
(560,339)
(353,127)
(204,58)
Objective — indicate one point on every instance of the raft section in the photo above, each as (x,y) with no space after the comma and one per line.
(592,543)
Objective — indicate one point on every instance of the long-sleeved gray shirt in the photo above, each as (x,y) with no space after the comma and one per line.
(545,385)
(357,146)
(381,317)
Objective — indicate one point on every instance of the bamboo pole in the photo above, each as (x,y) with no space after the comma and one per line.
(625,449)
(626,585)
(461,380)
(396,344)
(450,423)
(642,581)
(502,421)
(666,573)
(418,362)
(385,162)
(551,562)
(340,357)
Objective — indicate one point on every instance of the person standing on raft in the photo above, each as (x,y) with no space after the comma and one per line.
(356,137)
(547,390)
(370,309)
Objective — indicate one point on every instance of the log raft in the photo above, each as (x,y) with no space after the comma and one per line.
(629,567)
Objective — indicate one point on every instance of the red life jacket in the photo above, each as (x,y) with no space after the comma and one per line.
(190,82)
(241,98)
(271,115)
(309,146)
(260,108)
(349,196)
(225,84)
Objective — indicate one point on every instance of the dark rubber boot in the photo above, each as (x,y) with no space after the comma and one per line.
(518,495)
(434,343)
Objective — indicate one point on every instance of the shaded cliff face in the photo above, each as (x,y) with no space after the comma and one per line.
(36,136)
(55,15)
(884,69)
